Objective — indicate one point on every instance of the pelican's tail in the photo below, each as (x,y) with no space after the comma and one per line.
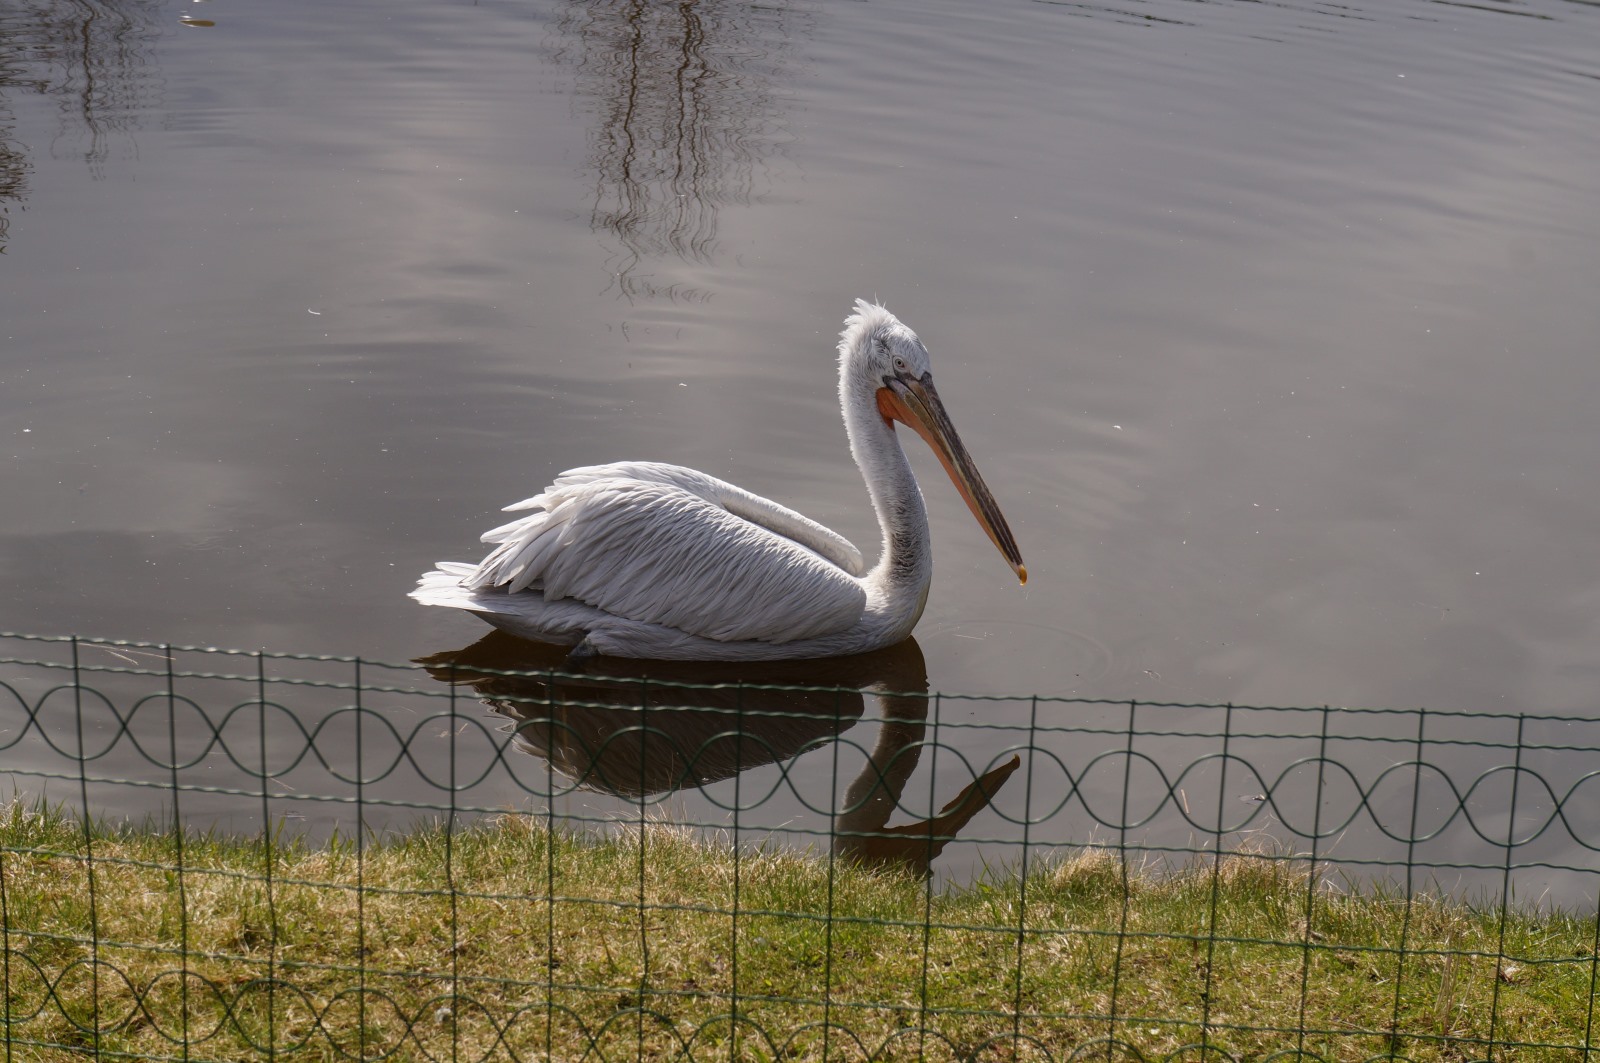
(528,616)
(447,585)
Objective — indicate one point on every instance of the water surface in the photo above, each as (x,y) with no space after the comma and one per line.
(1271,325)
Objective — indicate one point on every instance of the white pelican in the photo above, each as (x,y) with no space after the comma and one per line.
(640,559)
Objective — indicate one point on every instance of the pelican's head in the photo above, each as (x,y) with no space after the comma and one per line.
(880,356)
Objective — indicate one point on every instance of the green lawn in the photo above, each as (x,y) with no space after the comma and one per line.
(506,941)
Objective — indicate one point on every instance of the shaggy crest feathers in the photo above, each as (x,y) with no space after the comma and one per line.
(869,319)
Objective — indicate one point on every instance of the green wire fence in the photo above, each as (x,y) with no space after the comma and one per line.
(221,855)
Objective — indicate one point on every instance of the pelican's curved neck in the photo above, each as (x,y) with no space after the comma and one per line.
(899,581)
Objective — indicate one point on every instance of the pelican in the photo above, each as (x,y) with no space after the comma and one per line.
(640,559)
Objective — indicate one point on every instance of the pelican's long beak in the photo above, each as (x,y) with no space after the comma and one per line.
(913,402)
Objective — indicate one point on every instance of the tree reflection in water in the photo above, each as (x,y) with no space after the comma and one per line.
(93,59)
(685,113)
(636,729)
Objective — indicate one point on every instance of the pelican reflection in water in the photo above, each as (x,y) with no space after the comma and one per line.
(592,729)
(641,559)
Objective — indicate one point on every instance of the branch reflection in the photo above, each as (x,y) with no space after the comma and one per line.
(685,111)
(93,58)
(632,729)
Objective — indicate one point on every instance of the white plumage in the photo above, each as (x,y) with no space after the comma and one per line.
(641,559)
(665,545)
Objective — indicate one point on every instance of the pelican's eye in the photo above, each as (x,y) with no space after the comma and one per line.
(899,364)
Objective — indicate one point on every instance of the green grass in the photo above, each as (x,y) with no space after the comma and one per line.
(507,941)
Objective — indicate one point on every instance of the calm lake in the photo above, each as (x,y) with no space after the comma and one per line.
(1272,326)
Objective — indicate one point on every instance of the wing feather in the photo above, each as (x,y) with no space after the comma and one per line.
(752,507)
(656,550)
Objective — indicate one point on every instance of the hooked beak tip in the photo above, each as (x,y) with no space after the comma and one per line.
(1022,574)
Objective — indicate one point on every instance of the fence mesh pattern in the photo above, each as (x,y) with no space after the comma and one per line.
(220,855)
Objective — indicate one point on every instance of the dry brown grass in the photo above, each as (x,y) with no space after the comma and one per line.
(509,942)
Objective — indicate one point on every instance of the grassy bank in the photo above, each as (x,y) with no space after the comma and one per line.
(450,946)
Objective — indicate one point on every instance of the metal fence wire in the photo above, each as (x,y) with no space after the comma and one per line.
(221,855)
